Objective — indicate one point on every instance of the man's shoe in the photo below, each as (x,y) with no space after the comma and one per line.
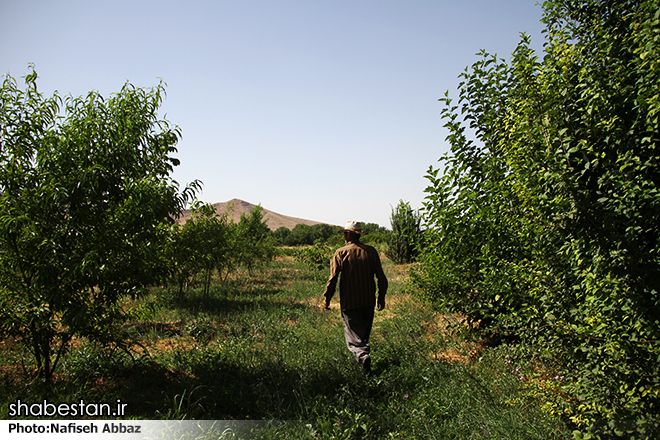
(366,365)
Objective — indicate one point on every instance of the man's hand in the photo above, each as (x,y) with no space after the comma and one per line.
(381,303)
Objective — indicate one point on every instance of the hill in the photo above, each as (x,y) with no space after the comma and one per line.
(273,219)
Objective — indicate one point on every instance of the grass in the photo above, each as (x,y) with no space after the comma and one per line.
(261,348)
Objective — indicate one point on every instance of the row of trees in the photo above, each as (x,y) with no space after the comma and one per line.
(401,244)
(86,217)
(208,243)
(303,234)
(545,221)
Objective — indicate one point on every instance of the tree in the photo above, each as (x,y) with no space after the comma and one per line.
(85,207)
(545,225)
(253,241)
(375,235)
(183,252)
(202,244)
(281,234)
(306,234)
(406,234)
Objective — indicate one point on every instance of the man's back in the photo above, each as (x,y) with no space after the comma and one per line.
(357,263)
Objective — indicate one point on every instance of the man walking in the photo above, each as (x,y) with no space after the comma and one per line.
(357,263)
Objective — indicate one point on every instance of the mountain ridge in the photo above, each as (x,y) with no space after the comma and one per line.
(238,207)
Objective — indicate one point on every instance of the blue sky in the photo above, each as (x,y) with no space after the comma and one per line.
(325,110)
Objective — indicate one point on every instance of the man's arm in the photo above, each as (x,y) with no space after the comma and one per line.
(331,285)
(382,283)
(381,303)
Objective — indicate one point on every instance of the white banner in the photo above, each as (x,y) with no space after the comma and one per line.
(126,429)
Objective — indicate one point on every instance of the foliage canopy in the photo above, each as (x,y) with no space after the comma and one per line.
(544,223)
(85,205)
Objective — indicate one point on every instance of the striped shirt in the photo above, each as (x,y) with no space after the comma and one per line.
(358,263)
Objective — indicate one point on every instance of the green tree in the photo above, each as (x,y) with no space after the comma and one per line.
(85,207)
(545,220)
(183,252)
(317,256)
(308,235)
(281,234)
(201,245)
(253,242)
(376,235)
(406,236)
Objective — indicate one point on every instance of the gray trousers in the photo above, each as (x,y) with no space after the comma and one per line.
(357,328)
